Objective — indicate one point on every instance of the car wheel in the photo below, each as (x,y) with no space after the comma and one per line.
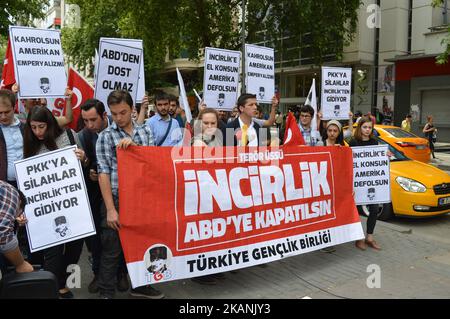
(385,211)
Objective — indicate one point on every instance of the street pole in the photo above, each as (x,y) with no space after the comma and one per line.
(243,7)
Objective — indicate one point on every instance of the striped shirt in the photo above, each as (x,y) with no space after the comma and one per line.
(106,149)
(9,204)
(310,137)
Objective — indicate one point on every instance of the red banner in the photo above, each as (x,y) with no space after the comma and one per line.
(189,212)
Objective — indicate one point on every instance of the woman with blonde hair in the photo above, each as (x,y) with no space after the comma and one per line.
(206,130)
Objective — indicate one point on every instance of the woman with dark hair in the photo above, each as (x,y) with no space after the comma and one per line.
(363,136)
(430,132)
(42,134)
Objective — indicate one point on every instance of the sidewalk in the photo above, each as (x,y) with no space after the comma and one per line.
(442,160)
(439,145)
(411,267)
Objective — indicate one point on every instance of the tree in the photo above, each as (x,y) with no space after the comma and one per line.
(3,46)
(20,11)
(443,57)
(99,19)
(176,26)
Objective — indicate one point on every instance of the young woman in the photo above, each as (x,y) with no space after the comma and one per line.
(42,134)
(329,133)
(206,131)
(333,134)
(363,136)
(430,132)
(207,134)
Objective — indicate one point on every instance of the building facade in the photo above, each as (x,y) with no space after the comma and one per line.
(392,57)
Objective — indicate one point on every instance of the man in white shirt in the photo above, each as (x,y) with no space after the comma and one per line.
(243,131)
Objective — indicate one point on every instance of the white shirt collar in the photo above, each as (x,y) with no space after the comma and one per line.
(241,124)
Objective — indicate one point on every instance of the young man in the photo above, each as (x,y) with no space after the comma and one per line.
(175,110)
(11,137)
(12,203)
(243,131)
(234,115)
(406,124)
(165,129)
(122,133)
(95,121)
(306,117)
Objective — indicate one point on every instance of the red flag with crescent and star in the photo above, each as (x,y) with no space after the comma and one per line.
(82,91)
(292,135)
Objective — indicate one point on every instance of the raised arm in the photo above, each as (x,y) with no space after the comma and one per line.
(68,117)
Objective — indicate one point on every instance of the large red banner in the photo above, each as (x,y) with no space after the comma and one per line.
(189,212)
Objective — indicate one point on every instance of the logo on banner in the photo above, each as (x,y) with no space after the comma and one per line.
(157,261)
(45,85)
(61,227)
(221,100)
(262,93)
(337,110)
(371,193)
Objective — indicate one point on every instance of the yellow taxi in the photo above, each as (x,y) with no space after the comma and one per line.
(413,146)
(417,189)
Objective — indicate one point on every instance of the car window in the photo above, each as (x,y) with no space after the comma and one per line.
(395,155)
(399,133)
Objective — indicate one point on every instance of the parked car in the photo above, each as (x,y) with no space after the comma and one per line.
(413,146)
(417,189)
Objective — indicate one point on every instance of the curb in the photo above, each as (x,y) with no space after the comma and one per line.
(399,229)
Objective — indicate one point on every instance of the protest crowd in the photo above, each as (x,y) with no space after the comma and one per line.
(121,123)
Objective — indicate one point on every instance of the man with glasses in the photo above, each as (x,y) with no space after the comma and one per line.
(306,118)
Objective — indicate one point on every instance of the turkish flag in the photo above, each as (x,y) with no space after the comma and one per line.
(82,91)
(8,77)
(293,135)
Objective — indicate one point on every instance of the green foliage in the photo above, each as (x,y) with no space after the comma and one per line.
(444,56)
(23,11)
(169,27)
(3,45)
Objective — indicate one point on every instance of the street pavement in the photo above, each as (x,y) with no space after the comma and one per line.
(411,266)
(414,263)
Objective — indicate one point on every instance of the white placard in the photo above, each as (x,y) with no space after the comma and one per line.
(336,93)
(221,79)
(138,44)
(371,175)
(260,72)
(57,209)
(38,62)
(118,69)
